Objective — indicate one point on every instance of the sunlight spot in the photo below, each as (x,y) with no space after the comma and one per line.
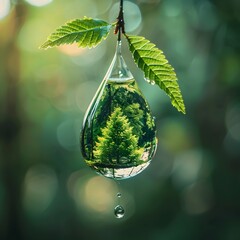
(98,194)
(89,56)
(71,50)
(92,194)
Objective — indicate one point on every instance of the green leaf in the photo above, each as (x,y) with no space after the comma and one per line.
(156,68)
(86,32)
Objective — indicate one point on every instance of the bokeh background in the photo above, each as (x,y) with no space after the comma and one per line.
(191,190)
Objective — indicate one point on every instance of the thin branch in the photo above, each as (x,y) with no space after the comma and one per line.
(120,23)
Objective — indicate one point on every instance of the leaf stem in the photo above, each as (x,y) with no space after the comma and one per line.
(120,29)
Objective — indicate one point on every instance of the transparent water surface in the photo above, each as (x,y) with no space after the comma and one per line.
(118,139)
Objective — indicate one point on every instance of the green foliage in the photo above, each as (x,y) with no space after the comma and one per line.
(86,32)
(135,115)
(150,122)
(156,68)
(117,142)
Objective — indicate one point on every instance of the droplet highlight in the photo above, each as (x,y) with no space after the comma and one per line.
(152,82)
(119,195)
(119,211)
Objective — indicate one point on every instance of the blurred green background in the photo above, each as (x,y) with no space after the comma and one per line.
(191,190)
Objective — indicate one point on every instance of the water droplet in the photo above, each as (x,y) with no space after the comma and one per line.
(119,195)
(119,211)
(147,80)
(152,82)
(118,139)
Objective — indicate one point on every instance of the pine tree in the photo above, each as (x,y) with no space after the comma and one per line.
(117,141)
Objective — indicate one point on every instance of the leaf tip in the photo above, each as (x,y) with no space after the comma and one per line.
(181,108)
(183,111)
(42,47)
(45,45)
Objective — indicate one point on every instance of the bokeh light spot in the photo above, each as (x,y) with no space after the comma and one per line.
(31,44)
(40,187)
(132,15)
(68,134)
(186,168)
(172,8)
(4,8)
(92,194)
(39,3)
(98,194)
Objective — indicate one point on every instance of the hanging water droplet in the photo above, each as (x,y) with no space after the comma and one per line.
(118,138)
(119,195)
(119,211)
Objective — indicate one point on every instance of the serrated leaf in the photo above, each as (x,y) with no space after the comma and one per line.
(86,32)
(156,68)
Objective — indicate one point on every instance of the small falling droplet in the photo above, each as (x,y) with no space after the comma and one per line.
(119,211)
(119,195)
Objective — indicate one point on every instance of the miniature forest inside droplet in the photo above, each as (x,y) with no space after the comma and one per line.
(118,137)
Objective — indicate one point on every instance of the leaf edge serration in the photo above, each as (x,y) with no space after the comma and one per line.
(76,31)
(156,68)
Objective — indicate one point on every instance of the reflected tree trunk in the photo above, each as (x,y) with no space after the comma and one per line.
(10,124)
